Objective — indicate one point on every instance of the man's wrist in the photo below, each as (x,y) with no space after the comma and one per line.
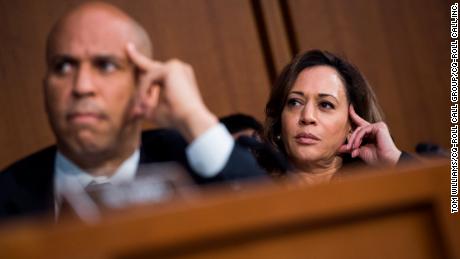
(209,153)
(196,122)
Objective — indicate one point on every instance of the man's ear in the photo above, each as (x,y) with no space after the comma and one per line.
(144,105)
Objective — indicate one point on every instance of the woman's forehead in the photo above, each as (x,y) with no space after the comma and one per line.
(319,80)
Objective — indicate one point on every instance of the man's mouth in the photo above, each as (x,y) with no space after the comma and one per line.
(84,117)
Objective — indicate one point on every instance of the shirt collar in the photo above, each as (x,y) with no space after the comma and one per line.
(67,172)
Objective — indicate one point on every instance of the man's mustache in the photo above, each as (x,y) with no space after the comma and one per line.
(88,108)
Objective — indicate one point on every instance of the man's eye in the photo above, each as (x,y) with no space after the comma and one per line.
(106,66)
(326,105)
(63,67)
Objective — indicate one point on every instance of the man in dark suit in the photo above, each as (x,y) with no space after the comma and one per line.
(100,85)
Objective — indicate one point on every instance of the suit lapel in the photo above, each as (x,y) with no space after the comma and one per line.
(35,188)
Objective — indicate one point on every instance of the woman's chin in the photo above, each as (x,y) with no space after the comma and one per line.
(311,157)
(307,157)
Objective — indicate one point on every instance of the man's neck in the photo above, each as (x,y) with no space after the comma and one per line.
(101,164)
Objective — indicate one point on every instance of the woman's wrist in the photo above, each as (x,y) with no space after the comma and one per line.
(393,157)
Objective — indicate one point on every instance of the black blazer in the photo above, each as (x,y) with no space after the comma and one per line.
(27,188)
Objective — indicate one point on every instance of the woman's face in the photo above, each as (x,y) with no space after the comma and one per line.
(315,117)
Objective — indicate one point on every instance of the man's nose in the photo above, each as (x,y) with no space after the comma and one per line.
(308,115)
(83,84)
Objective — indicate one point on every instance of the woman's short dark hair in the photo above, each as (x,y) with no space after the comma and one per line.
(358,91)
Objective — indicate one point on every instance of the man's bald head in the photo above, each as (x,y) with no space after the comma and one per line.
(102,15)
(90,86)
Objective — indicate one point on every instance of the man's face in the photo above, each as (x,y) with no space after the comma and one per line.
(90,85)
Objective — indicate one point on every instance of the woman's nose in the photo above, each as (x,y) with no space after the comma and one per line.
(308,115)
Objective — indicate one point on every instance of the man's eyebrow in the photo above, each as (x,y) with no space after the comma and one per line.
(97,56)
(108,57)
(62,57)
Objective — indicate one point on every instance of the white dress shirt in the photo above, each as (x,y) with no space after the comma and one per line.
(207,155)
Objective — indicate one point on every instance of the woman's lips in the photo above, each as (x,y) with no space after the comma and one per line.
(306,139)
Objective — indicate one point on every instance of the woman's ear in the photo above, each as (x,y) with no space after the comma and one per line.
(349,125)
(349,132)
(349,135)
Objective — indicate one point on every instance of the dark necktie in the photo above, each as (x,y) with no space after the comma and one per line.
(94,186)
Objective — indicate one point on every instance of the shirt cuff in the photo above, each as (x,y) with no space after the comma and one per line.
(208,154)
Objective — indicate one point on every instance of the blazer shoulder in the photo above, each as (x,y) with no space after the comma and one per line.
(163,135)
(163,145)
(42,159)
(26,186)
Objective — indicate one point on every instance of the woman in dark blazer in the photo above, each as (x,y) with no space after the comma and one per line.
(323,115)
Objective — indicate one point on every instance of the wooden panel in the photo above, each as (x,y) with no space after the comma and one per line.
(388,214)
(274,33)
(411,235)
(23,122)
(219,38)
(401,46)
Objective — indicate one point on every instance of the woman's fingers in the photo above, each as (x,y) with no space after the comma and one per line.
(343,149)
(358,140)
(380,149)
(357,135)
(353,136)
(356,118)
(355,153)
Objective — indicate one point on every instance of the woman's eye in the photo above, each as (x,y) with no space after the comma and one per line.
(326,105)
(293,102)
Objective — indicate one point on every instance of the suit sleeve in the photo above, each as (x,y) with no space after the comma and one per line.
(216,155)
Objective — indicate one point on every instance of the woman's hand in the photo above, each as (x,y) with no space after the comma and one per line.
(378,148)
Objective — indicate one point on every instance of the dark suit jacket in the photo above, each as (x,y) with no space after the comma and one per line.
(27,188)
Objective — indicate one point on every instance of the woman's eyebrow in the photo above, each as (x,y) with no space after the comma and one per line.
(320,94)
(298,93)
(327,95)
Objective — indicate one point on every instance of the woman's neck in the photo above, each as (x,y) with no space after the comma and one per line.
(320,171)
